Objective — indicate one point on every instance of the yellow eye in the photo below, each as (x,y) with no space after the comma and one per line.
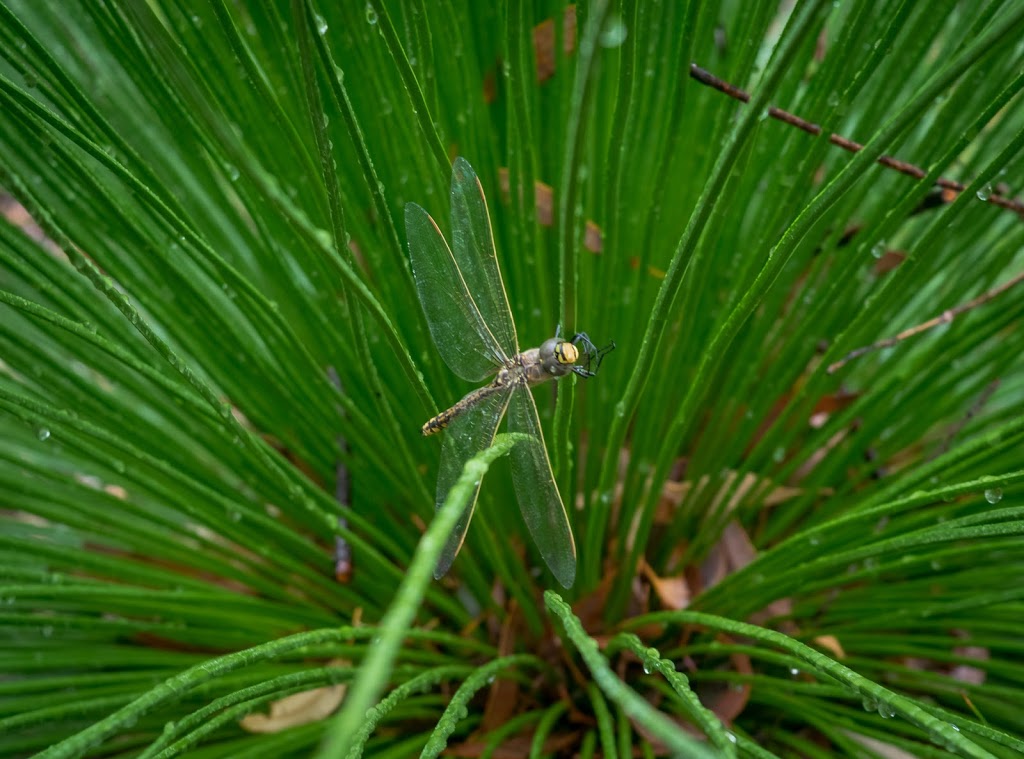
(566,353)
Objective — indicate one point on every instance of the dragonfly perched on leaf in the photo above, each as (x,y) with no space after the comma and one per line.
(467,311)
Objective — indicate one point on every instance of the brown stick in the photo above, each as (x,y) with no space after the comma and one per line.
(706,78)
(945,317)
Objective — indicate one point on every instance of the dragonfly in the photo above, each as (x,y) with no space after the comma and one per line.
(467,311)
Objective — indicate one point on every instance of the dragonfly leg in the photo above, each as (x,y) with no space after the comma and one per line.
(594,355)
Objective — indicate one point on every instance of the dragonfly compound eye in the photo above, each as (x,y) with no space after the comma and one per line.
(566,353)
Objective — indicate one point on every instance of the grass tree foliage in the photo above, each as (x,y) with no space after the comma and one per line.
(213,370)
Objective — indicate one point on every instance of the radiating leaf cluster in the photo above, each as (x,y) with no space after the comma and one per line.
(201,230)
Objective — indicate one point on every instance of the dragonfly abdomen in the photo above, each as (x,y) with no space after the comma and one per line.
(442,420)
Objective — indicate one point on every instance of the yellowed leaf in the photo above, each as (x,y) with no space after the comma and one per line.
(298,708)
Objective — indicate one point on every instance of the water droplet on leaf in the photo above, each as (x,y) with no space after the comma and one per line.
(614,32)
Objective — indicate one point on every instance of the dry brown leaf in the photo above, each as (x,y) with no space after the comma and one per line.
(657,746)
(503,695)
(728,702)
(544,202)
(739,549)
(881,748)
(714,568)
(831,643)
(828,405)
(965,673)
(673,592)
(298,708)
(516,747)
(593,238)
(544,42)
(816,458)
(780,607)
(674,494)
(590,608)
(889,261)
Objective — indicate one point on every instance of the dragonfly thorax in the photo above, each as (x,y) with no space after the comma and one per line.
(554,358)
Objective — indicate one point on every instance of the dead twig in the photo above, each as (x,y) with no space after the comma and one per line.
(945,317)
(996,199)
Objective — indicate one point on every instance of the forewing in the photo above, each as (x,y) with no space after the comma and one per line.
(473,246)
(538,496)
(458,329)
(467,435)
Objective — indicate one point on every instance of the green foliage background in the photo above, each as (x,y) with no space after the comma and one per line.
(216,193)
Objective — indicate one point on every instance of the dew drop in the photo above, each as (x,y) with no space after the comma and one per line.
(321,24)
(885,711)
(878,249)
(371,15)
(614,33)
(994,495)
(43,433)
(984,192)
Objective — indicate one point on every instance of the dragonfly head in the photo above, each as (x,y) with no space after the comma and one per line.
(578,355)
(558,356)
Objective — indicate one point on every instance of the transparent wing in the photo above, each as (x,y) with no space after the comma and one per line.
(538,496)
(473,246)
(467,435)
(458,329)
